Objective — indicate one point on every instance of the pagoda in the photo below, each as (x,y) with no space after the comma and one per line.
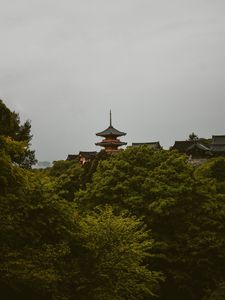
(111,141)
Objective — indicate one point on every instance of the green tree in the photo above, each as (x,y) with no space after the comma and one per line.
(35,229)
(113,258)
(72,176)
(185,213)
(70,181)
(217,294)
(10,126)
(51,251)
(193,137)
(9,150)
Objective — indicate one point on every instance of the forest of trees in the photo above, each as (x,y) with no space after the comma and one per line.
(142,224)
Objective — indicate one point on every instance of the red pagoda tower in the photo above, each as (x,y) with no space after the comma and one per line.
(111,141)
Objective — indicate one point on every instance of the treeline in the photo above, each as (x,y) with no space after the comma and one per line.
(142,224)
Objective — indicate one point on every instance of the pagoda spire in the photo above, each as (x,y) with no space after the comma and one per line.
(110,118)
(111,135)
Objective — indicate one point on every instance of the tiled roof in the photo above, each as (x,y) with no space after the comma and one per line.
(110,143)
(182,146)
(186,146)
(198,146)
(155,145)
(72,157)
(111,131)
(88,154)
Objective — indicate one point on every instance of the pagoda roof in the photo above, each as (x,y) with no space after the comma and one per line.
(110,143)
(110,131)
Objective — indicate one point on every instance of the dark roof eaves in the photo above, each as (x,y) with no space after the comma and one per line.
(110,131)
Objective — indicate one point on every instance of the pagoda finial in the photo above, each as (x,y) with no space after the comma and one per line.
(110,118)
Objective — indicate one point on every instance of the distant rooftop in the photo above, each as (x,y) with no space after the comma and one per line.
(88,154)
(199,146)
(72,156)
(182,146)
(155,145)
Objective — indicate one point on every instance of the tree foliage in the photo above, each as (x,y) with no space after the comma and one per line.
(48,251)
(134,225)
(115,246)
(51,251)
(11,130)
(193,137)
(185,211)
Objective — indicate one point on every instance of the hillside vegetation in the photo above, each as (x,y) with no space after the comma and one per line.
(142,224)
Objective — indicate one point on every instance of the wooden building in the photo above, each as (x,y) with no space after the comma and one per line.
(194,149)
(218,145)
(152,145)
(86,156)
(72,157)
(111,142)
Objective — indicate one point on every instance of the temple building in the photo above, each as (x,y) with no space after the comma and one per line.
(218,145)
(83,157)
(111,143)
(195,149)
(73,157)
(152,145)
(86,156)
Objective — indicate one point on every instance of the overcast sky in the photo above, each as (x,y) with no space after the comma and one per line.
(158,64)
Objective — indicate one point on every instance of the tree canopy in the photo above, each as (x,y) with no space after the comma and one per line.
(14,134)
(142,224)
(183,206)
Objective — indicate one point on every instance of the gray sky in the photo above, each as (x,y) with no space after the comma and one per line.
(158,64)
